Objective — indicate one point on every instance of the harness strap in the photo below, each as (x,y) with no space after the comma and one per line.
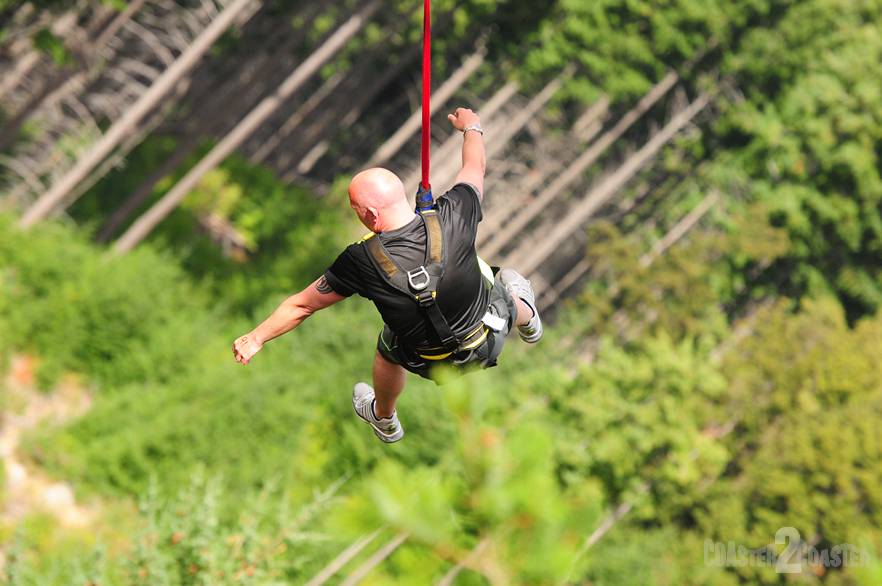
(439,322)
(434,238)
(470,342)
(421,284)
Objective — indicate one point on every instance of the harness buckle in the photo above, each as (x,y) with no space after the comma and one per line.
(414,274)
(424,298)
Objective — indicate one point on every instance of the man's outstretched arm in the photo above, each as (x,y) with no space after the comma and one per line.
(285,318)
(474,161)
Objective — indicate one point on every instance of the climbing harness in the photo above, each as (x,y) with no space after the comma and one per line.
(421,285)
(424,199)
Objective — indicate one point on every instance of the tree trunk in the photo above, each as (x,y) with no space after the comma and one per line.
(352,97)
(453,143)
(12,10)
(577,216)
(584,127)
(215,100)
(67,79)
(584,131)
(134,139)
(142,193)
(255,67)
(357,107)
(439,98)
(129,122)
(577,168)
(468,561)
(501,134)
(619,318)
(297,118)
(29,59)
(264,73)
(145,224)
(293,148)
(680,229)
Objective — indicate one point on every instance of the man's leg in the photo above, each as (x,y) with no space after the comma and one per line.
(376,405)
(389,379)
(525,314)
(527,320)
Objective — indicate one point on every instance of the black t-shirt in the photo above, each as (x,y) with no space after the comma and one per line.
(463,294)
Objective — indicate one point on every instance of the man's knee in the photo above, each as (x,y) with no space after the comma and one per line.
(383,360)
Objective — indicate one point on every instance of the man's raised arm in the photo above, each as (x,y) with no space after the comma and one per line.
(474,161)
(285,318)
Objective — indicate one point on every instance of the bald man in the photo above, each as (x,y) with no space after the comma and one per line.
(479,308)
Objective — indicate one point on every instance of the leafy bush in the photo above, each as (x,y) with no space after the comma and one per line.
(118,319)
(185,540)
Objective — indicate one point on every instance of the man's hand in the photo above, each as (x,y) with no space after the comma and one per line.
(463,118)
(245,347)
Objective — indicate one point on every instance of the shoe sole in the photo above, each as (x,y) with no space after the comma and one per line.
(387,439)
(535,337)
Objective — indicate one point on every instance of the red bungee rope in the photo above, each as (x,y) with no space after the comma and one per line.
(425,186)
(427,90)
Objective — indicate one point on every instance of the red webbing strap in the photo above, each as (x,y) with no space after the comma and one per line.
(427,90)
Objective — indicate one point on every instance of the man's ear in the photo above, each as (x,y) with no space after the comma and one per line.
(372,215)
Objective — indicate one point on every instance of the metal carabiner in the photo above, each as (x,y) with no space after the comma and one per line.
(418,286)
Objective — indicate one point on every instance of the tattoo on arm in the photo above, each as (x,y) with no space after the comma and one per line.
(322,286)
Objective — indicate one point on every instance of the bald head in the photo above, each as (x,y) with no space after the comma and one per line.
(377,196)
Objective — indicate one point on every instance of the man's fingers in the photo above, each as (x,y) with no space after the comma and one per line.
(237,352)
(244,349)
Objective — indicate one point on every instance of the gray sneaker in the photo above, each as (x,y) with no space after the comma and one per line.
(520,287)
(387,429)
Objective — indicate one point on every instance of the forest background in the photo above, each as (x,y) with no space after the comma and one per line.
(692,185)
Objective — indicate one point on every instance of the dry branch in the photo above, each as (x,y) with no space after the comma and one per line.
(439,98)
(133,116)
(531,260)
(381,554)
(578,167)
(145,224)
(342,559)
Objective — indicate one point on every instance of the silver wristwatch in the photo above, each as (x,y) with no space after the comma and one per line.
(475,127)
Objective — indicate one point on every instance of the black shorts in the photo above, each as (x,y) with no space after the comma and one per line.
(484,356)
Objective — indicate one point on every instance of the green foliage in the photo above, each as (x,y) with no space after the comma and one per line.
(494,491)
(652,404)
(642,413)
(806,139)
(677,293)
(278,417)
(185,540)
(290,236)
(53,46)
(116,318)
(805,391)
(623,48)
